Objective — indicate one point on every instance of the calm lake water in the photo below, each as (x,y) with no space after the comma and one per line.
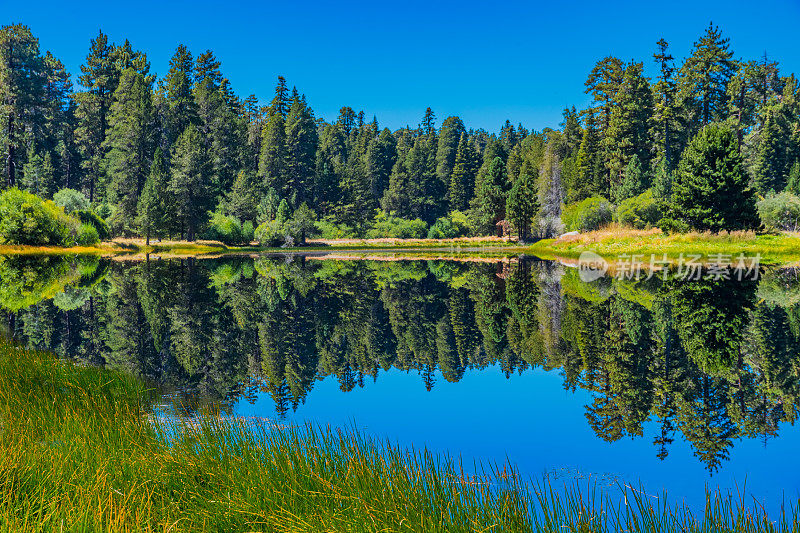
(675,384)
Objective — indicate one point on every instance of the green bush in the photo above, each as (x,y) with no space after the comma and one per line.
(389,226)
(587,215)
(87,235)
(27,219)
(271,233)
(669,225)
(248,232)
(225,229)
(71,200)
(289,231)
(87,216)
(639,212)
(453,225)
(780,211)
(329,229)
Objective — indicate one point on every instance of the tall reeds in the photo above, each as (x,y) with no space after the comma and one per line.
(82,449)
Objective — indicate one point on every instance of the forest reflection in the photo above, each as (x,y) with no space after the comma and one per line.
(710,361)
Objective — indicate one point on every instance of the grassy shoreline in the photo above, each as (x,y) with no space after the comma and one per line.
(783,248)
(88,454)
(611,243)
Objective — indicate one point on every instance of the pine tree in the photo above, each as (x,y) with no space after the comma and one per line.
(182,109)
(272,161)
(302,223)
(379,160)
(462,181)
(129,144)
(490,195)
(284,212)
(664,105)
(190,183)
(243,198)
(603,84)
(770,165)
(223,134)
(38,174)
(629,129)
(273,158)
(280,102)
(573,135)
(152,209)
(704,77)
(793,182)
(414,190)
(58,133)
(634,181)
(301,148)
(590,174)
(508,136)
(522,205)
(428,124)
(268,206)
(710,190)
(449,137)
(125,57)
(22,98)
(99,77)
(662,182)
(331,161)
(207,69)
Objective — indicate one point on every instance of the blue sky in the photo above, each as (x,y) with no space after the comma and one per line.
(482,61)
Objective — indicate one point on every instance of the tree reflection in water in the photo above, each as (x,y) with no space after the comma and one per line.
(711,361)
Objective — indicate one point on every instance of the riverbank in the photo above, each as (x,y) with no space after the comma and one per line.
(89,454)
(616,243)
(186,248)
(610,243)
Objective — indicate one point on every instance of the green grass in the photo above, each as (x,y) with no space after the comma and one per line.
(80,450)
(614,241)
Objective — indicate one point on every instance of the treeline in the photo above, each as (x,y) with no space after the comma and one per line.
(182,155)
(711,360)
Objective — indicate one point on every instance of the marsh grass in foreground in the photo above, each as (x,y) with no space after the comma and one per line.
(81,450)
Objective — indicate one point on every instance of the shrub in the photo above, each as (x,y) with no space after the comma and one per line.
(301,225)
(270,233)
(329,229)
(780,211)
(453,225)
(87,235)
(710,190)
(87,216)
(639,212)
(27,219)
(443,228)
(669,225)
(71,200)
(389,226)
(290,231)
(225,229)
(248,232)
(587,215)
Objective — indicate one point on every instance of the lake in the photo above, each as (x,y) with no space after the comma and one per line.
(665,383)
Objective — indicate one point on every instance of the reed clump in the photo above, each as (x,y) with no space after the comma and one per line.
(85,449)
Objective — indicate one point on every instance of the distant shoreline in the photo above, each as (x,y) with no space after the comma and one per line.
(611,243)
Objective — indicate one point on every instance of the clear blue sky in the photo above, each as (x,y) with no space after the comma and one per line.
(482,61)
